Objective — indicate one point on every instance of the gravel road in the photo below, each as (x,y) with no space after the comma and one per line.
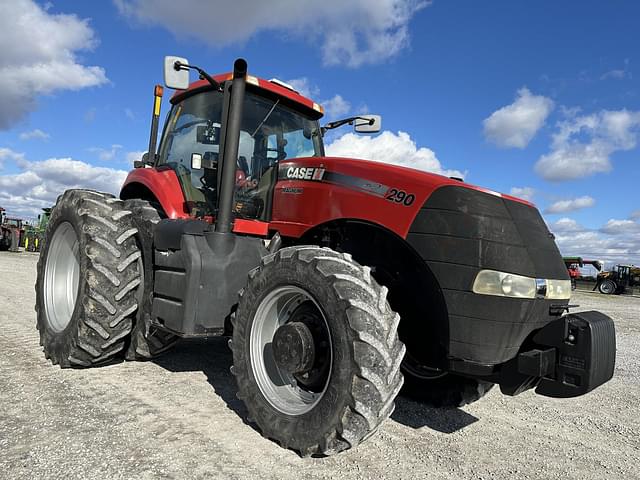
(178,417)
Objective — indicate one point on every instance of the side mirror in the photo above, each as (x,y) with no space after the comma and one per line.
(368,124)
(144,161)
(176,79)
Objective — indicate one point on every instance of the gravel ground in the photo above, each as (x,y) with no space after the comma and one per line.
(178,417)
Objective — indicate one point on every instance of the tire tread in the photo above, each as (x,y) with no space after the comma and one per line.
(376,350)
(104,311)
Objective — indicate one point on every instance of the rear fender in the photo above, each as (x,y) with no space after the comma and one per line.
(163,184)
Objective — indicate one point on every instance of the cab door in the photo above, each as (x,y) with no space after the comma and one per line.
(190,147)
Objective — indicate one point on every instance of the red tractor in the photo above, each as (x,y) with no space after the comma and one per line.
(574,264)
(11,232)
(334,278)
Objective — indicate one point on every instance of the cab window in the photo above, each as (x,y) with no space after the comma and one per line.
(270,132)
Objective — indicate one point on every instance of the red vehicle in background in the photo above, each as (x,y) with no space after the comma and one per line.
(11,232)
(573,267)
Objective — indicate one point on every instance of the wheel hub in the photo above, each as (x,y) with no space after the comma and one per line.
(290,346)
(293,348)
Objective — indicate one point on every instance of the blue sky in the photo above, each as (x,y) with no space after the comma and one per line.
(541,99)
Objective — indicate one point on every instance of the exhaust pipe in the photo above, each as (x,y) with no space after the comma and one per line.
(231,140)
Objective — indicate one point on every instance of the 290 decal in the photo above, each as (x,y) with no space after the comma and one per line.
(400,196)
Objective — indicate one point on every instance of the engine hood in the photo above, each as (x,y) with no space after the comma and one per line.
(402,174)
(315,190)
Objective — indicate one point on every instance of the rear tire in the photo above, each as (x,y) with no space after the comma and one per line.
(147,341)
(445,390)
(5,243)
(607,287)
(349,399)
(88,276)
(14,246)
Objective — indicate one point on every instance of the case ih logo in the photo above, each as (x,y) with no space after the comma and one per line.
(305,173)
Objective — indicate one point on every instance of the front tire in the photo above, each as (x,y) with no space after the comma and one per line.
(88,275)
(349,383)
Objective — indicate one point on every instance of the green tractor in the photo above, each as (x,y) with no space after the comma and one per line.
(34,234)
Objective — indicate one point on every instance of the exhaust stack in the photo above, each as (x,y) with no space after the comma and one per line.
(232,118)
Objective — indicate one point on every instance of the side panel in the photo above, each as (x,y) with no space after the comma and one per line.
(164,184)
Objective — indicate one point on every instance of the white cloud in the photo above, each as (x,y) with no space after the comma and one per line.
(304,87)
(8,154)
(613,243)
(388,147)
(106,154)
(336,107)
(618,73)
(618,227)
(635,215)
(38,56)
(570,205)
(135,155)
(36,134)
(40,182)
(351,33)
(565,225)
(526,193)
(583,144)
(516,124)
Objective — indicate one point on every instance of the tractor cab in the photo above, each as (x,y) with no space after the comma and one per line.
(628,275)
(273,128)
(275,124)
(13,222)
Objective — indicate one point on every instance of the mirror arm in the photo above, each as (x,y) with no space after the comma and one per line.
(203,75)
(344,121)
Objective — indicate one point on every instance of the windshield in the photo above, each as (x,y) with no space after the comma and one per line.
(270,132)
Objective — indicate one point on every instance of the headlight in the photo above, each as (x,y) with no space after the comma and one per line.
(559,289)
(502,284)
(490,282)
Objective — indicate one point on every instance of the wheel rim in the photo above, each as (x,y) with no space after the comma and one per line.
(607,287)
(285,391)
(61,277)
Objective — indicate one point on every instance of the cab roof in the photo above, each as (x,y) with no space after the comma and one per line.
(267,86)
